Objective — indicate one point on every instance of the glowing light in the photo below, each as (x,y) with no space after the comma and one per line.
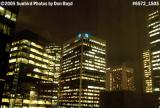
(1,8)
(84,35)
(95,87)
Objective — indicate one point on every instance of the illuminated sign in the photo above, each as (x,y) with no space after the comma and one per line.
(84,35)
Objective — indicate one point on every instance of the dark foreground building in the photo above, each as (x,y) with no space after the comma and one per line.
(7,27)
(128,99)
(30,78)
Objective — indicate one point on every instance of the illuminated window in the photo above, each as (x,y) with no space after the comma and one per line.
(36,51)
(31,62)
(25,42)
(2,10)
(14,48)
(13,18)
(23,60)
(157,89)
(14,43)
(8,14)
(31,55)
(36,45)
(12,60)
(156,41)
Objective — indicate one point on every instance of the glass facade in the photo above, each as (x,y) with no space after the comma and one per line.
(30,79)
(83,72)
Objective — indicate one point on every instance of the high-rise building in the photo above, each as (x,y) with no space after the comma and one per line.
(7,27)
(83,72)
(56,52)
(147,71)
(121,78)
(153,26)
(8,17)
(30,78)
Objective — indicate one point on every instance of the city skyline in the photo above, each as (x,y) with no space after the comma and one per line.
(67,52)
(120,23)
(124,30)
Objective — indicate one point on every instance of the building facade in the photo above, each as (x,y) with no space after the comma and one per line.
(30,79)
(56,52)
(83,72)
(121,78)
(8,17)
(153,27)
(147,71)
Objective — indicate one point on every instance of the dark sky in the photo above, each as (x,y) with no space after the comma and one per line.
(60,23)
(117,21)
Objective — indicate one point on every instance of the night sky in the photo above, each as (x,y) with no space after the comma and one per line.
(117,21)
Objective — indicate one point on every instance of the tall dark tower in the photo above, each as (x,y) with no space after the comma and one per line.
(83,72)
(8,17)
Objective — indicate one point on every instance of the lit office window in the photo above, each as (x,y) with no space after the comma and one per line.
(13,17)
(8,14)
(25,42)
(36,45)
(2,10)
(12,60)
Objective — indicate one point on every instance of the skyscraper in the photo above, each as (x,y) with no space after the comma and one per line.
(8,17)
(56,52)
(147,71)
(153,26)
(30,78)
(121,78)
(83,72)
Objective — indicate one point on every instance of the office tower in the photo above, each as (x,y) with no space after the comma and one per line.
(7,26)
(30,78)
(147,71)
(121,78)
(83,72)
(55,51)
(153,26)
